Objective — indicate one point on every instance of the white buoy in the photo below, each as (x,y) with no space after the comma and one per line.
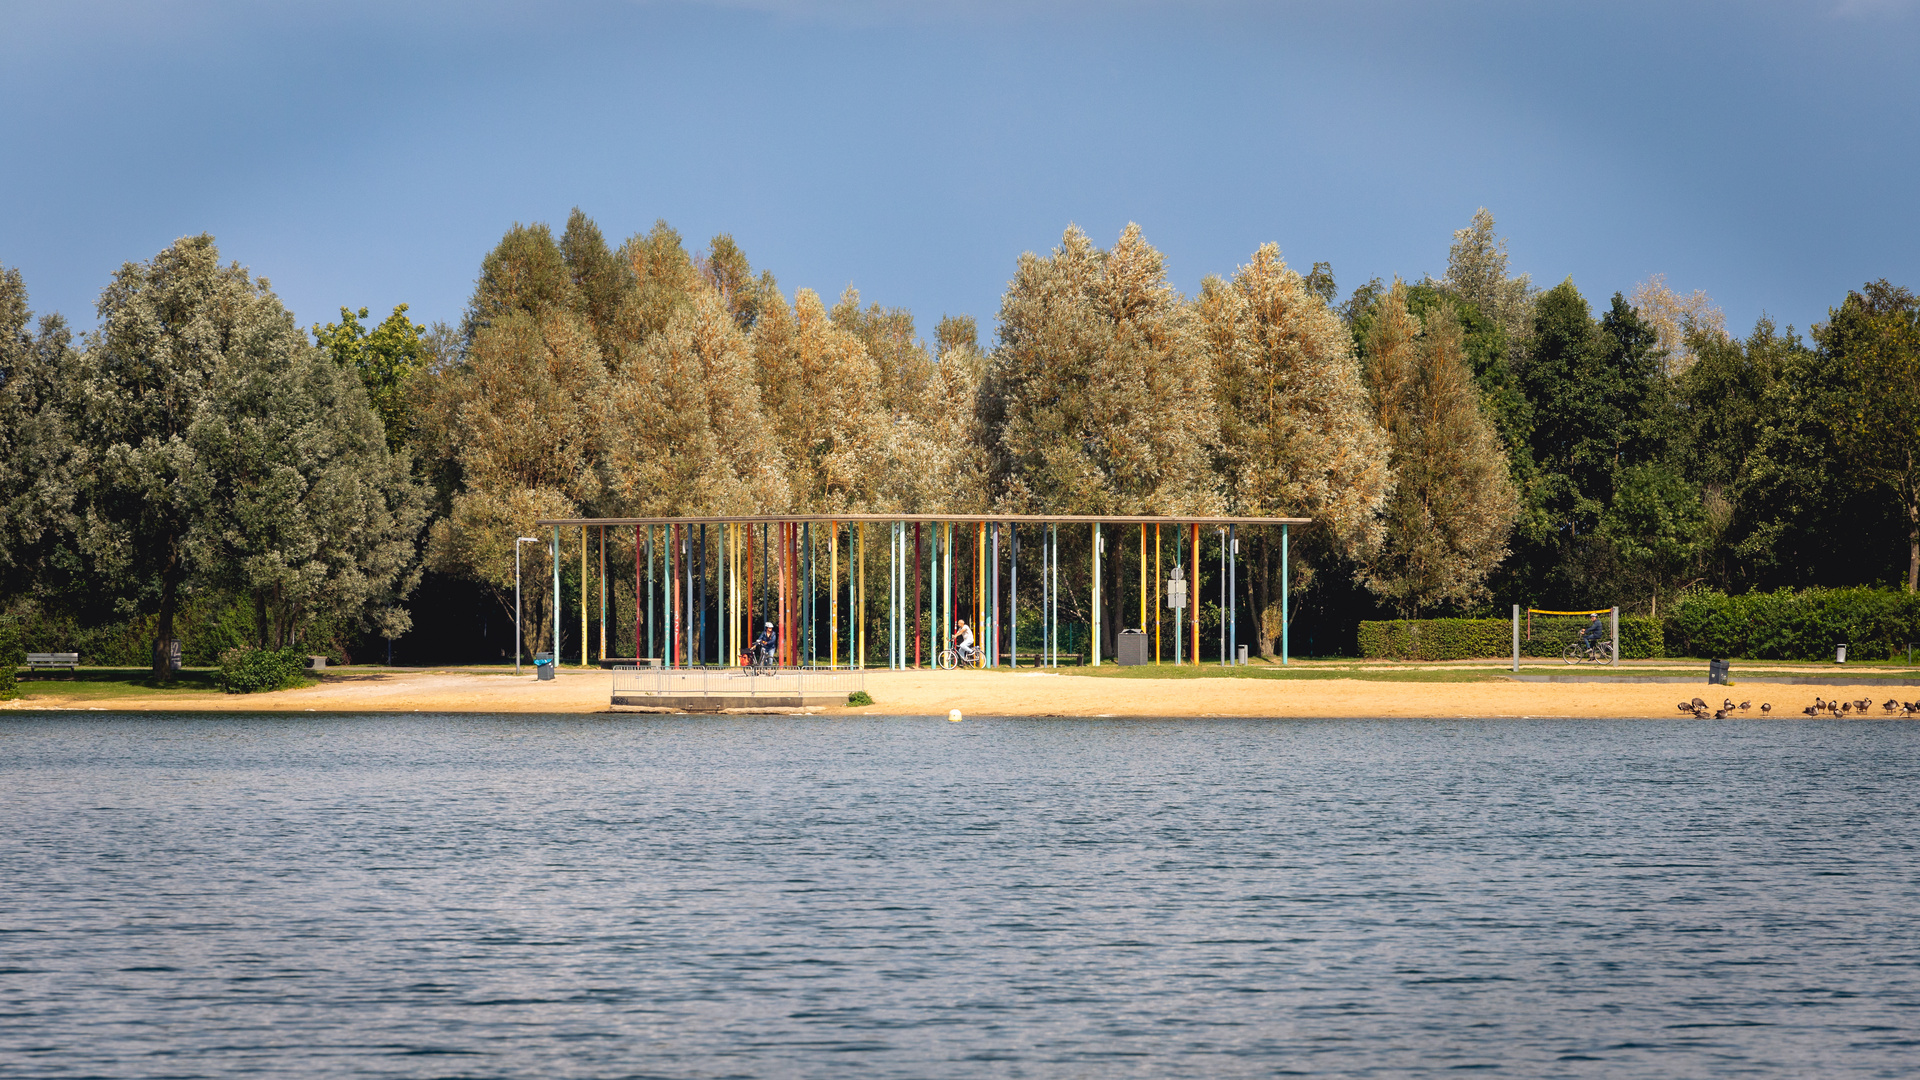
(953,716)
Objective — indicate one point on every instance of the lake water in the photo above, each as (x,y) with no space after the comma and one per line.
(811,897)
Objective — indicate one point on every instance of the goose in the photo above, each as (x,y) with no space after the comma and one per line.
(1719,714)
(1745,705)
(1890,705)
(1766,706)
(1697,703)
(1686,706)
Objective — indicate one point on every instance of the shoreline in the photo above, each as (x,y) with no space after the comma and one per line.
(1328,695)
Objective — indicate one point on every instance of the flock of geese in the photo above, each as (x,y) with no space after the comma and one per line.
(1820,707)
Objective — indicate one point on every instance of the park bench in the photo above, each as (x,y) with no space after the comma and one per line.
(38,661)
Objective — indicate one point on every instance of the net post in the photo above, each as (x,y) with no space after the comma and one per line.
(1615,662)
(1516,639)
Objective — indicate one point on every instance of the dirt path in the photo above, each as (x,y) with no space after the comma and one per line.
(1006,694)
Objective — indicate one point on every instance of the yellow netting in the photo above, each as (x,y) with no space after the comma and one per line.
(1596,611)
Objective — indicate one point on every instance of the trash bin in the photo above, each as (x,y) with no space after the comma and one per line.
(1840,654)
(1130,648)
(1717,672)
(1242,658)
(543,666)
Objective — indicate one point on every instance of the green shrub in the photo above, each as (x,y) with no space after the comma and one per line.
(248,670)
(1481,639)
(859,697)
(13,654)
(1875,624)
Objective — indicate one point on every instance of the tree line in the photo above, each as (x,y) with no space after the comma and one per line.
(1455,440)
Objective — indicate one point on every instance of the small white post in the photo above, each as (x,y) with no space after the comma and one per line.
(1516,639)
(1616,636)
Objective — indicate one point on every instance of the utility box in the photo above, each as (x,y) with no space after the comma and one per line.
(543,666)
(1130,649)
(1717,672)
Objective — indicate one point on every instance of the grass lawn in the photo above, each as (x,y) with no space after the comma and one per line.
(105,684)
(1262,671)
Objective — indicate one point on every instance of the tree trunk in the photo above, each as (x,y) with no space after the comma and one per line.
(163,645)
(1263,596)
(1913,544)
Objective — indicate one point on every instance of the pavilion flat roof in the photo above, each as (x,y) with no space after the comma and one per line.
(1016,519)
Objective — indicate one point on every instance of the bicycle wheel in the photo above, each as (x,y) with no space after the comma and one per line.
(945,660)
(1574,653)
(1603,652)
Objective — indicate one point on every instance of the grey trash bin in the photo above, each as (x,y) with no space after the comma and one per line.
(1131,648)
(543,666)
(1717,672)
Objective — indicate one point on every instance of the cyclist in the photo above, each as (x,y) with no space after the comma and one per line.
(1591,635)
(964,642)
(763,646)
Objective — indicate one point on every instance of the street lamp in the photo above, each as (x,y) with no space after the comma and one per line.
(516,598)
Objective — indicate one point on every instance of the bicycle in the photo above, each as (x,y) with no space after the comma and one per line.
(948,660)
(1599,651)
(761,662)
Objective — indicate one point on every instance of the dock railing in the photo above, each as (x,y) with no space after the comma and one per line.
(735,682)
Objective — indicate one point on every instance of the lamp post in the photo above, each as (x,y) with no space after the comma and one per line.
(516,597)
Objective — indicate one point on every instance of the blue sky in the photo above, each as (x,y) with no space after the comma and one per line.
(370,154)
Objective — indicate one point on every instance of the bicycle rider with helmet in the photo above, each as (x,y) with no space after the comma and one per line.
(764,645)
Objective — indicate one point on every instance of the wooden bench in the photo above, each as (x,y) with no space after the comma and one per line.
(38,661)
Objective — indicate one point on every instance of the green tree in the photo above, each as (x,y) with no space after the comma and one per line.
(39,474)
(213,433)
(310,515)
(1453,503)
(1869,351)
(1658,528)
(525,411)
(387,360)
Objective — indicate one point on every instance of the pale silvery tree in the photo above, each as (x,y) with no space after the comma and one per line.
(1453,504)
(1677,320)
(820,390)
(1477,273)
(1098,400)
(1298,437)
(684,431)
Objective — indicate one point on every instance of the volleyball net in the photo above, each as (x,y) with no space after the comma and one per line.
(1546,632)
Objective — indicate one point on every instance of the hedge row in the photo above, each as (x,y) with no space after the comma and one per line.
(12,655)
(1875,624)
(1474,639)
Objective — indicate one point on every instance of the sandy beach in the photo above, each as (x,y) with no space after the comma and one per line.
(933,693)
